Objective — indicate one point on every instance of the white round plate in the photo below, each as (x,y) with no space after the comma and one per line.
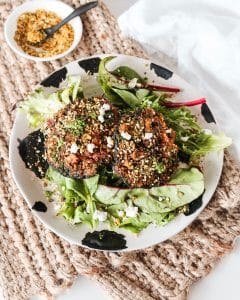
(31,188)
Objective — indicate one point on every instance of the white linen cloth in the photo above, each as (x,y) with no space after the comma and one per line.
(204,37)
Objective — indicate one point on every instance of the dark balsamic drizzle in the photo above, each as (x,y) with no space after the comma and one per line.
(105,240)
(31,150)
(90,65)
(161,71)
(207,114)
(55,79)
(194,205)
(39,206)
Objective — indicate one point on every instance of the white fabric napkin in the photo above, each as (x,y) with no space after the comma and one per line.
(204,37)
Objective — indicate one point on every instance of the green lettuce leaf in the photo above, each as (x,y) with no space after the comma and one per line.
(40,106)
(78,195)
(158,205)
(190,137)
(213,143)
(106,79)
(127,73)
(118,91)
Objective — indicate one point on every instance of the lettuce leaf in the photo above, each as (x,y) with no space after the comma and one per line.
(158,205)
(40,106)
(213,143)
(78,194)
(190,136)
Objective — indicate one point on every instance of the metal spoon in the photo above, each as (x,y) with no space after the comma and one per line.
(48,32)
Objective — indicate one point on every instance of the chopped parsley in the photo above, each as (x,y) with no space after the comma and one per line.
(48,194)
(160,168)
(60,142)
(76,127)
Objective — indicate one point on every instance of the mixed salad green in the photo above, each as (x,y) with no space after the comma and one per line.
(104,198)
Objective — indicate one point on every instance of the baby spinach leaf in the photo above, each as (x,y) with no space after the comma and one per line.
(128,73)
(106,79)
(128,97)
(142,93)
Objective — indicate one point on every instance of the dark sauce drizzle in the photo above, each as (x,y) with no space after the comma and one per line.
(90,65)
(194,205)
(31,150)
(105,240)
(39,206)
(207,114)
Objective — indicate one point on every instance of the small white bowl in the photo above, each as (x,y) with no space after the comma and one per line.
(60,8)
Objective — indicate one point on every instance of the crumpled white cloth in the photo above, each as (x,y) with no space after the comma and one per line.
(204,37)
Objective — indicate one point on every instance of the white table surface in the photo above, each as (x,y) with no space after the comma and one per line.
(221,284)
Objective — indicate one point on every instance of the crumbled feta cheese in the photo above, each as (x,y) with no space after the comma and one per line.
(126,135)
(132,83)
(101,216)
(169,130)
(207,131)
(57,206)
(120,213)
(110,142)
(106,107)
(148,136)
(131,211)
(184,138)
(101,118)
(74,148)
(102,111)
(90,147)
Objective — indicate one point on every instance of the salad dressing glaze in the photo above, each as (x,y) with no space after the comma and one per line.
(105,240)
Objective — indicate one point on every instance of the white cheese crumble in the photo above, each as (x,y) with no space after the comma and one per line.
(131,211)
(90,147)
(106,107)
(184,138)
(169,130)
(110,142)
(101,118)
(207,131)
(121,213)
(148,136)
(102,111)
(132,83)
(126,135)
(57,206)
(101,216)
(74,148)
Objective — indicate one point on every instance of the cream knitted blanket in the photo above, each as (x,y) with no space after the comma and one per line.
(33,260)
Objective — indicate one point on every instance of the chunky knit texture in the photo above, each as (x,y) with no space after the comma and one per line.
(33,260)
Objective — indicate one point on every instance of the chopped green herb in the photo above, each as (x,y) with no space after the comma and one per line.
(60,142)
(93,115)
(160,168)
(76,127)
(48,194)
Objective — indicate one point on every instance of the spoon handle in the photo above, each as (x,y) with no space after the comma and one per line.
(77,12)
